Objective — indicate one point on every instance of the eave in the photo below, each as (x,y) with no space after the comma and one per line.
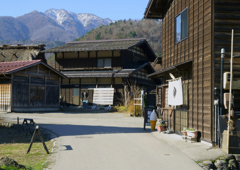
(156,9)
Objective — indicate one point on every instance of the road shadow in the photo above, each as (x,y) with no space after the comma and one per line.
(69,110)
(76,130)
(12,135)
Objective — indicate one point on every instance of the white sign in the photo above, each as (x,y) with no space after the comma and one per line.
(175,95)
(103,96)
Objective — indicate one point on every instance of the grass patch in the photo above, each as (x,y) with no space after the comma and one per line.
(15,146)
(120,108)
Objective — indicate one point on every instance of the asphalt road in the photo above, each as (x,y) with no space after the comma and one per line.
(108,142)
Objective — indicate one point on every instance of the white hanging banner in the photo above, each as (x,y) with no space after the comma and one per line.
(175,95)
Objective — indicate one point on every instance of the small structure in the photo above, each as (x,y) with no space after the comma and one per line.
(104,64)
(29,86)
(21,52)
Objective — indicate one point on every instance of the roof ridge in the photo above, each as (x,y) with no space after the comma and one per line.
(20,61)
(108,40)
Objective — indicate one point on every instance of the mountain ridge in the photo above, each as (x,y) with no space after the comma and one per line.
(51,25)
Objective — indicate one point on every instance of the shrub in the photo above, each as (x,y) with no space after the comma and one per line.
(130,109)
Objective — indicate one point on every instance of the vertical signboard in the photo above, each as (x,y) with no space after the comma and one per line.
(159,96)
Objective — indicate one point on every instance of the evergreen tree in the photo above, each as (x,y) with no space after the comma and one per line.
(98,36)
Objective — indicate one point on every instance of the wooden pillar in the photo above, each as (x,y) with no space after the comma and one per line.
(112,59)
(29,85)
(55,60)
(112,79)
(88,59)
(63,64)
(80,96)
(96,82)
(11,94)
(97,59)
(78,63)
(59,89)
(125,94)
(45,81)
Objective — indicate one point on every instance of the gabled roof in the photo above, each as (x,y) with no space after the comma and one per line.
(105,45)
(15,66)
(156,9)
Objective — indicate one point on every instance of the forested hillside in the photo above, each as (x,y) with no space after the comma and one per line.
(149,29)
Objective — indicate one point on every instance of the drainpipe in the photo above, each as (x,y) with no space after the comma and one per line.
(221,92)
(221,81)
(216,100)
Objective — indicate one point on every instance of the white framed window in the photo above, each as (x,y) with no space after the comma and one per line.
(181,26)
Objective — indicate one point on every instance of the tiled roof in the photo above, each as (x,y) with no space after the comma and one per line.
(110,73)
(98,45)
(87,74)
(14,66)
(8,67)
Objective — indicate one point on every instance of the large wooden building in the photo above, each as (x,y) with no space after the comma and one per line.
(103,64)
(27,86)
(194,31)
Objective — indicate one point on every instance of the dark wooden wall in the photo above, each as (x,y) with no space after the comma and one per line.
(226,18)
(32,78)
(196,47)
(84,64)
(132,60)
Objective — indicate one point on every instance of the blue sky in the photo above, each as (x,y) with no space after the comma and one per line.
(113,9)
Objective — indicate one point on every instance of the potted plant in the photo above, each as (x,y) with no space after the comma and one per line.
(160,127)
(192,133)
(184,131)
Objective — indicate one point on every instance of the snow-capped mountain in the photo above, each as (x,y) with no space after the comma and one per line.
(52,25)
(88,21)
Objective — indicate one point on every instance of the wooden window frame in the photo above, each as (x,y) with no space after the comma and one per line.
(181,39)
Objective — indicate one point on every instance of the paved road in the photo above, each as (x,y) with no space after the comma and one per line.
(108,142)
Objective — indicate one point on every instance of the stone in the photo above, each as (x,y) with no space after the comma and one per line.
(221,165)
(5,161)
(237,157)
(208,165)
(230,156)
(233,164)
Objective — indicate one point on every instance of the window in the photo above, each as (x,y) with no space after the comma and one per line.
(105,62)
(181,28)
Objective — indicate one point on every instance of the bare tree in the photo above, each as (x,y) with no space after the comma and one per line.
(132,90)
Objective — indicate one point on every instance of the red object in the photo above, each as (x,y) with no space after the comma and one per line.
(160,128)
(184,133)
(8,67)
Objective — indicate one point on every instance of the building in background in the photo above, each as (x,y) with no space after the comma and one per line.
(104,64)
(21,52)
(29,86)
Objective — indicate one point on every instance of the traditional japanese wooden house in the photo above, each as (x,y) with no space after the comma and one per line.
(194,31)
(27,86)
(103,64)
(21,52)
